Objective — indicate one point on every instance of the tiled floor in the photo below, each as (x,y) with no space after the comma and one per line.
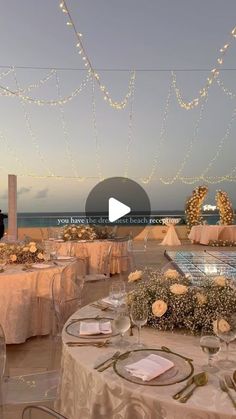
(34,355)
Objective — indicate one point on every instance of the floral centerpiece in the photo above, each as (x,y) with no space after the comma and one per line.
(85,232)
(193,206)
(22,253)
(174,303)
(225,207)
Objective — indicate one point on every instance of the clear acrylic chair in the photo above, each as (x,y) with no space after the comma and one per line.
(44,234)
(139,248)
(40,412)
(122,260)
(30,388)
(66,294)
(102,269)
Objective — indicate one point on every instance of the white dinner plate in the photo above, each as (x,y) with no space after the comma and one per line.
(65,257)
(41,266)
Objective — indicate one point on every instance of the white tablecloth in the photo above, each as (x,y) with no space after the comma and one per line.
(204,233)
(19,291)
(95,250)
(88,394)
(171,238)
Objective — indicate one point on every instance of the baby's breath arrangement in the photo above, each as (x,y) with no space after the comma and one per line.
(174,303)
(21,253)
(222,243)
(85,232)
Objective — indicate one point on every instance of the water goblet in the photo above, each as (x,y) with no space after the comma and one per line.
(210,345)
(117,293)
(122,324)
(225,329)
(139,316)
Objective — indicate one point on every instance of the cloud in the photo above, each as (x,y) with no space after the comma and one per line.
(4,195)
(43,193)
(23,190)
(20,192)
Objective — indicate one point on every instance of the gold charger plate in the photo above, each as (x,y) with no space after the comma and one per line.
(182,370)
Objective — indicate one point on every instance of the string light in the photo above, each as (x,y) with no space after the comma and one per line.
(228,92)
(65,131)
(221,144)
(31,132)
(5,73)
(51,102)
(88,65)
(11,152)
(156,160)
(225,207)
(214,74)
(95,132)
(31,86)
(130,131)
(170,181)
(40,82)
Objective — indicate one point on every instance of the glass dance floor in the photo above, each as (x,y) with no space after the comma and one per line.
(198,265)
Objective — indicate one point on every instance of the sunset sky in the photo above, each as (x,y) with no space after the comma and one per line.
(118,35)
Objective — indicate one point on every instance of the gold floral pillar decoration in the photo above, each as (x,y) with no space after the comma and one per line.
(225,208)
(193,207)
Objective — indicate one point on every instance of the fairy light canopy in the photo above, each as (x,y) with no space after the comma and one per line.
(90,123)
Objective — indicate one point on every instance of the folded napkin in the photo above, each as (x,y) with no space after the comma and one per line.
(107,300)
(95,328)
(150,367)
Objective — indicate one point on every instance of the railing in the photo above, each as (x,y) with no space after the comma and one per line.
(59,220)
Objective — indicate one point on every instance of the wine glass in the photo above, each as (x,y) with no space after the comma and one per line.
(225,329)
(117,293)
(139,316)
(210,345)
(122,324)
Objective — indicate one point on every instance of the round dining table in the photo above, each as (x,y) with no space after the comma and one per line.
(20,291)
(203,234)
(86,393)
(95,251)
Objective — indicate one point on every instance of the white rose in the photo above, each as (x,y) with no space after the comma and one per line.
(171,274)
(40,256)
(223,326)
(178,289)
(135,276)
(33,249)
(25,249)
(32,244)
(219,281)
(201,298)
(159,308)
(13,258)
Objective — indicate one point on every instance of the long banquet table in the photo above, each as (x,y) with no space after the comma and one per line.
(19,291)
(203,234)
(88,394)
(95,250)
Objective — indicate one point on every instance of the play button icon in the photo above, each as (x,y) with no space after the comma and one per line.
(121,202)
(117,210)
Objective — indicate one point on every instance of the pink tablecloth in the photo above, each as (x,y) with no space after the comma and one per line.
(204,233)
(95,250)
(19,291)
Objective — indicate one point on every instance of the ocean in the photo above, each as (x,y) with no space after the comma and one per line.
(55,219)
